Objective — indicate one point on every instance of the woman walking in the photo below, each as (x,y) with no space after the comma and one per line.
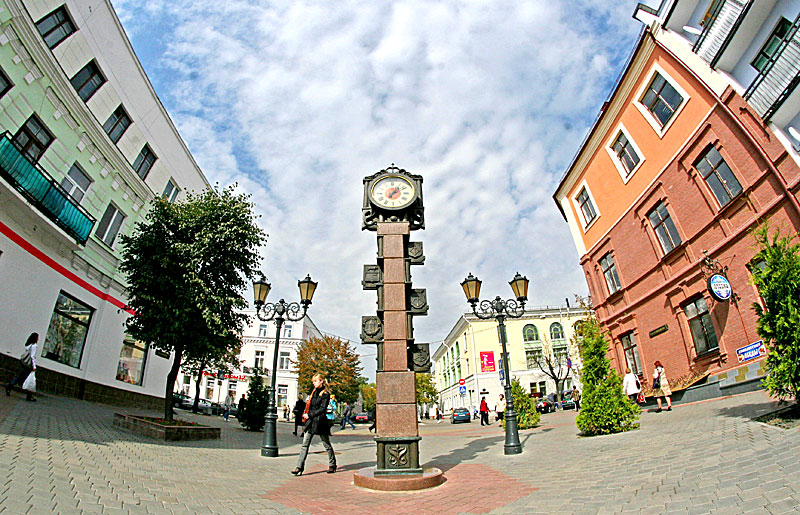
(316,423)
(631,385)
(28,361)
(661,387)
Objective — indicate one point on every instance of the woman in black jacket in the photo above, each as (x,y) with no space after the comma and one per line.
(316,423)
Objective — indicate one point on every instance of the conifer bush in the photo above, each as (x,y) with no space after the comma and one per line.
(524,406)
(605,409)
(253,414)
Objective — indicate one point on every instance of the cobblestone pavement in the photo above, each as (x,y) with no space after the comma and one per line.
(63,455)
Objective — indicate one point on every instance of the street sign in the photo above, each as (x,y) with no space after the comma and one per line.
(462,390)
(462,382)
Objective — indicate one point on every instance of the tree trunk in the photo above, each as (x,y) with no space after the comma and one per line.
(200,370)
(171,377)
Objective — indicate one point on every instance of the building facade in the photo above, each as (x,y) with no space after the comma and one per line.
(471,353)
(695,147)
(85,146)
(258,352)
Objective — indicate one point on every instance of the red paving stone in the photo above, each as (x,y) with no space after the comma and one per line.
(469,488)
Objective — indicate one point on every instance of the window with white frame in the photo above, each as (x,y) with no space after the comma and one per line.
(703,333)
(109,225)
(209,388)
(283,361)
(586,206)
(610,273)
(664,227)
(631,352)
(232,385)
(170,191)
(556,331)
(625,154)
(132,360)
(661,99)
(259,359)
(287,331)
(76,183)
(262,330)
(66,334)
(718,176)
(283,395)
(533,356)
(560,353)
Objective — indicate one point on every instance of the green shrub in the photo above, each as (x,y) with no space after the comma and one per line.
(253,414)
(524,406)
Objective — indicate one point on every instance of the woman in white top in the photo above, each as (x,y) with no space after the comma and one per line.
(28,365)
(630,385)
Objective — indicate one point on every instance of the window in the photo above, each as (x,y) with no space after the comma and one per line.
(587,207)
(283,361)
(533,357)
(530,333)
(631,353)
(560,354)
(5,84)
(209,388)
(626,153)
(703,334)
(170,191)
(144,162)
(610,273)
(55,27)
(232,384)
(132,358)
(87,81)
(283,395)
(76,183)
(117,124)
(287,331)
(32,139)
(543,388)
(187,379)
(66,334)
(109,225)
(556,331)
(664,228)
(718,176)
(262,330)
(260,359)
(661,99)
(770,49)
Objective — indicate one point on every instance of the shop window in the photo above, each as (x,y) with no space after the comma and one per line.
(283,361)
(718,176)
(32,139)
(132,360)
(66,334)
(586,205)
(5,84)
(55,27)
(664,228)
(259,359)
(117,124)
(556,331)
(76,183)
(610,273)
(144,162)
(703,334)
(170,191)
(631,353)
(661,99)
(209,388)
(109,225)
(530,333)
(769,51)
(87,81)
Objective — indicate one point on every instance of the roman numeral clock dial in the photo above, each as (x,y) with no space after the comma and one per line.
(393,192)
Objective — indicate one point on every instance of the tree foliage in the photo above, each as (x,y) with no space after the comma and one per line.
(524,406)
(253,413)
(552,365)
(368,396)
(426,390)
(336,360)
(605,409)
(187,264)
(776,274)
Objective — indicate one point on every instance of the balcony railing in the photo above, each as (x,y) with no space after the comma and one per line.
(43,191)
(779,77)
(720,23)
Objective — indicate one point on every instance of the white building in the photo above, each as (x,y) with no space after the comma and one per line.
(258,351)
(85,145)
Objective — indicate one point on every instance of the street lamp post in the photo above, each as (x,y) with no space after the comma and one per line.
(500,309)
(280,312)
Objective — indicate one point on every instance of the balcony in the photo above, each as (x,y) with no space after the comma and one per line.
(779,78)
(38,187)
(719,25)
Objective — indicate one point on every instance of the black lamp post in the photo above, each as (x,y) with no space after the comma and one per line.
(500,309)
(280,312)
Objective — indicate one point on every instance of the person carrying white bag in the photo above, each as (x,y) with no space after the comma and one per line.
(27,372)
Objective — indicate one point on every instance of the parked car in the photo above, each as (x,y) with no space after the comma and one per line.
(178,399)
(361,418)
(545,405)
(567,403)
(461,415)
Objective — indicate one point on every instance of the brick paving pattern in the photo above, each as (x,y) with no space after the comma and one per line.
(64,456)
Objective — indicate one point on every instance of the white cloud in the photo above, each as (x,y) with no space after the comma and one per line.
(298,101)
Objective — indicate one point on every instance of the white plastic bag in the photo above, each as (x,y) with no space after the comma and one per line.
(30,383)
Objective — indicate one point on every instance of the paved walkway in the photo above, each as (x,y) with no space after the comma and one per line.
(62,455)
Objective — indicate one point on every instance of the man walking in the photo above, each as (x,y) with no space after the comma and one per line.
(348,412)
(576,398)
(297,411)
(228,404)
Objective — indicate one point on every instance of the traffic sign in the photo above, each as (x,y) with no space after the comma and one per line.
(462,390)
(461,382)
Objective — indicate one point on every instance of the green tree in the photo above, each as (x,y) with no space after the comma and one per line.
(605,409)
(253,413)
(187,264)
(777,277)
(426,390)
(368,396)
(524,407)
(336,360)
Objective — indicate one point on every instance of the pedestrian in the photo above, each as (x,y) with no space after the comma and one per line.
(298,409)
(438,415)
(228,403)
(348,411)
(286,412)
(631,385)
(484,412)
(316,423)
(500,408)
(576,398)
(330,412)
(27,366)
(661,386)
(374,414)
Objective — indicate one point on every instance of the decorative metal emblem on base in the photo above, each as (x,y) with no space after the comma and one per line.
(398,455)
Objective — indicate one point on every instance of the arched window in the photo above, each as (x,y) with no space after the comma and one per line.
(556,331)
(530,333)
(578,328)
(458,353)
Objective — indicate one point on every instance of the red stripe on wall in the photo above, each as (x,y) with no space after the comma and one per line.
(47,260)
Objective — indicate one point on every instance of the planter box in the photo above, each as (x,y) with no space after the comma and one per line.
(162,432)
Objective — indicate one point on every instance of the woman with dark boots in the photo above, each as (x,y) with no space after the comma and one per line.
(316,423)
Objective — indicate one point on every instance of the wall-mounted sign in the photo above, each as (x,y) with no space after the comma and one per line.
(487,362)
(719,287)
(659,330)
(752,351)
(235,377)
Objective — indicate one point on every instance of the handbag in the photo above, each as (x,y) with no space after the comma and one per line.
(25,357)
(640,398)
(30,383)
(638,385)
(657,383)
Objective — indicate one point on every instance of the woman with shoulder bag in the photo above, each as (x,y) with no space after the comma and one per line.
(28,360)
(630,385)
(316,423)
(661,386)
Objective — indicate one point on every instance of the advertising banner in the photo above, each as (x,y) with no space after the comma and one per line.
(487,362)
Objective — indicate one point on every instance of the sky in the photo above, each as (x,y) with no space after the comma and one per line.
(298,101)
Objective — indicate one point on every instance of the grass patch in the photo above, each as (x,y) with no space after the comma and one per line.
(786,418)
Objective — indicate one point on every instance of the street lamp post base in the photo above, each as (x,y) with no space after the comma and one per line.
(512,449)
(272,452)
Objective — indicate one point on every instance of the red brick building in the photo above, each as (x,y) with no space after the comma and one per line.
(693,149)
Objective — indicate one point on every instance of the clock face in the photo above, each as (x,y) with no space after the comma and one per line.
(393,192)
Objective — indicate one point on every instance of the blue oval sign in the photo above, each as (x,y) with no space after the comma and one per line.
(719,287)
